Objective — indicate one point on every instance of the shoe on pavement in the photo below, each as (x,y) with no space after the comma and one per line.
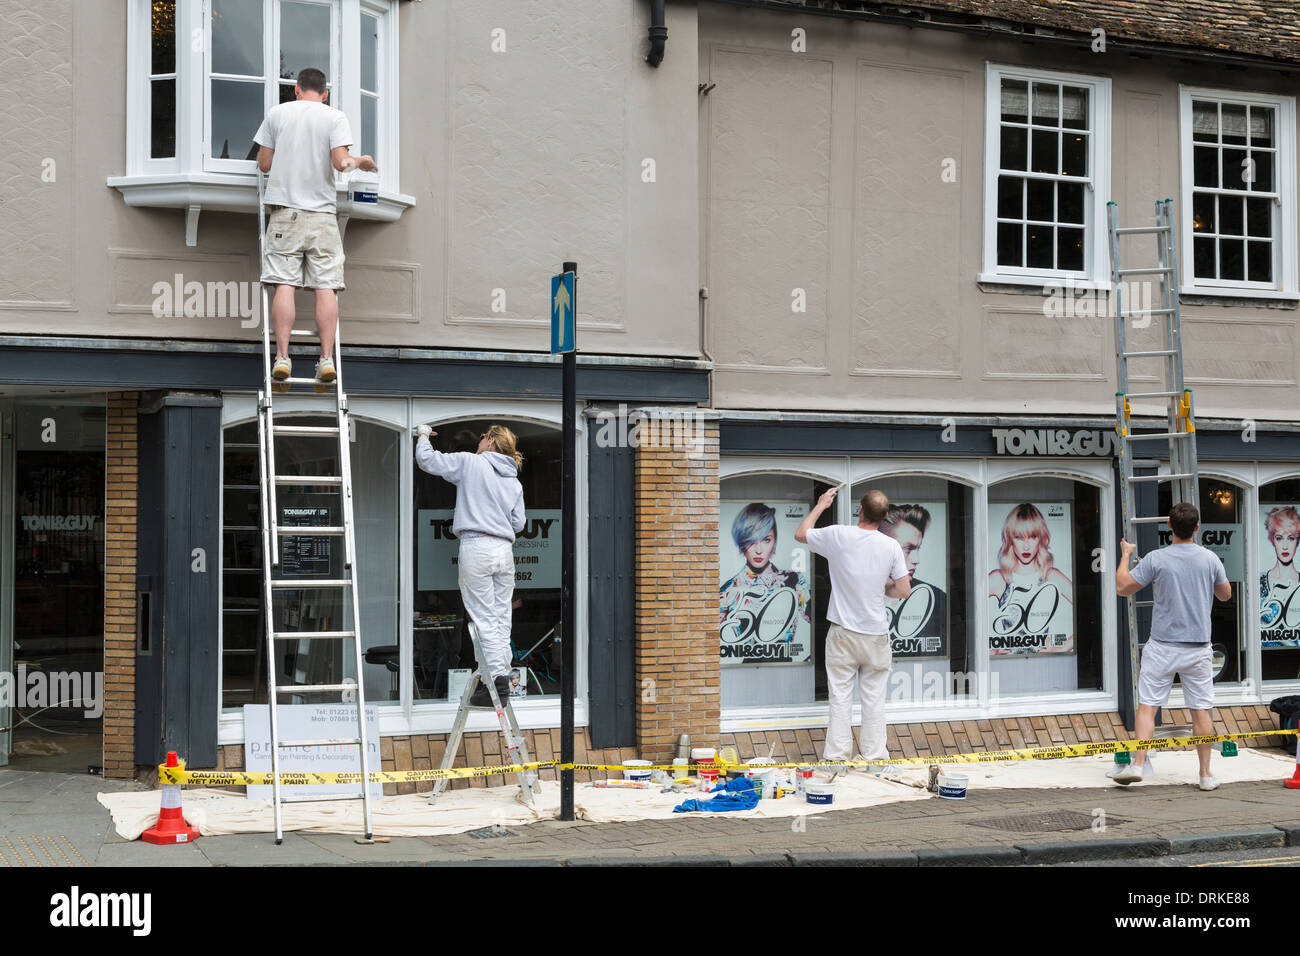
(1130,774)
(325,374)
(481,697)
(1209,783)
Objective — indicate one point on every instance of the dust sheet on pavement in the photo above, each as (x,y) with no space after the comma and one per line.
(218,813)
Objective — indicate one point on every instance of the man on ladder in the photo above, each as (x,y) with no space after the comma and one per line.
(302,143)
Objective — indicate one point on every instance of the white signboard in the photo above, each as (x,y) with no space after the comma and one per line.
(310,722)
(537,551)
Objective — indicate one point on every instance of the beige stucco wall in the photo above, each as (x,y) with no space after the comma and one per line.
(821,170)
(517,161)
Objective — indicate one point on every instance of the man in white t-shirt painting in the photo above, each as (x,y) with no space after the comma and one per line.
(1186,579)
(302,143)
(866,567)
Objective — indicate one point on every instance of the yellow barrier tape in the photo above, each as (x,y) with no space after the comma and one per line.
(235,778)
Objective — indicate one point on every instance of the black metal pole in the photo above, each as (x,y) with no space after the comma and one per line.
(568,582)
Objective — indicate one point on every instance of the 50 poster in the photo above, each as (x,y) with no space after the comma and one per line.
(1279,582)
(764,594)
(918,625)
(1030,586)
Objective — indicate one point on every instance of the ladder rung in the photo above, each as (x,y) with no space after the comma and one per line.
(294,585)
(313,635)
(1133,230)
(1152,354)
(1152,394)
(306,531)
(307,430)
(1144,272)
(1158,477)
(302,381)
(335,742)
(314,688)
(1165,435)
(1144,603)
(304,332)
(309,798)
(1147,520)
(1137,312)
(308,480)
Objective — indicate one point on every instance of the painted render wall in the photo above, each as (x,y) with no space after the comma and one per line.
(517,161)
(821,170)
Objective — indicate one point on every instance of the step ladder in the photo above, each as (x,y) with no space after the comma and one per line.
(516,747)
(1178,467)
(275,528)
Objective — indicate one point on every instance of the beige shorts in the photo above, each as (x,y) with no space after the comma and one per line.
(303,249)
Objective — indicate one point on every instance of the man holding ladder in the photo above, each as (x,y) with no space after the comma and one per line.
(303,143)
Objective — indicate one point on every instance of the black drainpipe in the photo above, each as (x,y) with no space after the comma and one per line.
(658,33)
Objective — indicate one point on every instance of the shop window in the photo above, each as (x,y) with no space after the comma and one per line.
(930,632)
(376,457)
(1278,528)
(1223,532)
(772,592)
(441,643)
(1043,591)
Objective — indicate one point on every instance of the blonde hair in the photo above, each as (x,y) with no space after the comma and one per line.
(503,439)
(1025,520)
(1279,518)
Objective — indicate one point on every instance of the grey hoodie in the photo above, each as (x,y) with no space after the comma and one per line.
(489,498)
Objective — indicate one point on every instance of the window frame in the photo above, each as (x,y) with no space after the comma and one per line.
(1284,285)
(193,181)
(1095,272)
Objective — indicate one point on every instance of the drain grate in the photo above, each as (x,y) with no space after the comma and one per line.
(487,833)
(1047,822)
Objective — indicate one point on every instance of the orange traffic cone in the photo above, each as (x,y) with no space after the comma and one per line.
(171,826)
(1294,782)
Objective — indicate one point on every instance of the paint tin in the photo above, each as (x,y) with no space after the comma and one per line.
(636,769)
(802,777)
(952,786)
(820,794)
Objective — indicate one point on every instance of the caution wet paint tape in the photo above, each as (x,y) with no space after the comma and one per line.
(239,778)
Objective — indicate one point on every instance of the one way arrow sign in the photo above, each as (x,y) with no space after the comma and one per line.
(563,303)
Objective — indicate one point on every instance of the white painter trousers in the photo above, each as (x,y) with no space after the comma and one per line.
(487,586)
(862,660)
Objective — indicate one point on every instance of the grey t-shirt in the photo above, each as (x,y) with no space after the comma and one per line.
(1185,576)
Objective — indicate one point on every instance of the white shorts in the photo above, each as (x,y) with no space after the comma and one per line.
(1193,665)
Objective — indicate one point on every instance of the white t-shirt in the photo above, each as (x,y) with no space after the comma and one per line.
(862,563)
(302,133)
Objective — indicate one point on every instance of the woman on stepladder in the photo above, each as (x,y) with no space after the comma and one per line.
(489,513)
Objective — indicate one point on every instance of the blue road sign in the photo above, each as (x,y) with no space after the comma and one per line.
(563,307)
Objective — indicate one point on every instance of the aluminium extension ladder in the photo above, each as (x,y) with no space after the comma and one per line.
(516,746)
(1180,429)
(268,430)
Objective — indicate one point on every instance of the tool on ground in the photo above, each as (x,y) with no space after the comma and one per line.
(306,540)
(516,746)
(1179,467)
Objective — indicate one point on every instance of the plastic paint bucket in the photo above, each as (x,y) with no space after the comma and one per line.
(952,786)
(819,793)
(680,770)
(707,771)
(636,769)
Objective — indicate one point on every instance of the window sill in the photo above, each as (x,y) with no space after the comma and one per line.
(1245,298)
(234,192)
(1038,285)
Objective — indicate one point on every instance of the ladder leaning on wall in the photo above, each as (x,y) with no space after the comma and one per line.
(1178,467)
(275,528)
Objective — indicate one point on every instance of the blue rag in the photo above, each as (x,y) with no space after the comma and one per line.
(738,794)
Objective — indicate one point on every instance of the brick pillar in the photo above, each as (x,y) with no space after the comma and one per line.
(119,585)
(677,662)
